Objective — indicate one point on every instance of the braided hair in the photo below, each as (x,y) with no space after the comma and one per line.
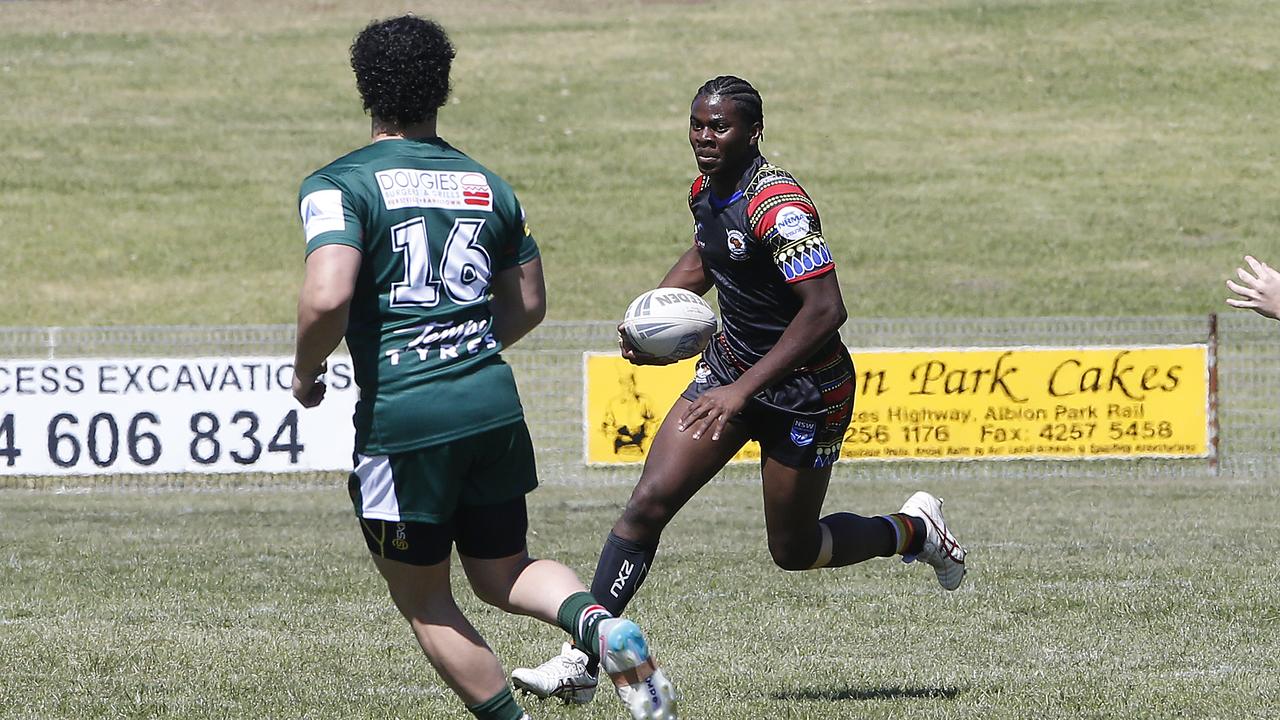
(740,91)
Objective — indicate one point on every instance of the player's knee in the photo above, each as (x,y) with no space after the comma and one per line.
(492,594)
(792,555)
(494,588)
(420,611)
(644,519)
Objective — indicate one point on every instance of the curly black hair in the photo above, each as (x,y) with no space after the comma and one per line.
(402,68)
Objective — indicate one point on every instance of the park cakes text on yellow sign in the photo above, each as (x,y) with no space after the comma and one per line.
(957,404)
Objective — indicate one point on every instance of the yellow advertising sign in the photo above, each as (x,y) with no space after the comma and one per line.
(957,404)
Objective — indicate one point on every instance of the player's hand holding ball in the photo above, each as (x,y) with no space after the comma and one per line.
(635,357)
(664,326)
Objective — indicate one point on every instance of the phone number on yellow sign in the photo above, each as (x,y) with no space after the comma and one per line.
(957,404)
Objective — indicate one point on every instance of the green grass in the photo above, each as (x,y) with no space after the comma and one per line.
(969,157)
(1086,599)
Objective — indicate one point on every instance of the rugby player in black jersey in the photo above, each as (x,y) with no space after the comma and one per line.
(777,373)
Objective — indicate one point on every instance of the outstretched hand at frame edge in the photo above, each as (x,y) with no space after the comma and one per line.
(1259,291)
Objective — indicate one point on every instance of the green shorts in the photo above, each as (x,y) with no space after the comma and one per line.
(429,484)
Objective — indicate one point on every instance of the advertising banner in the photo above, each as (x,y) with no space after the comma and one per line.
(957,404)
(169,415)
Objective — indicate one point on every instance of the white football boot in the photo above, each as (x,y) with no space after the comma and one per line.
(564,676)
(941,549)
(642,687)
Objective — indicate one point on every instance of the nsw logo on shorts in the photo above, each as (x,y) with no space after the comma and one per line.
(802,432)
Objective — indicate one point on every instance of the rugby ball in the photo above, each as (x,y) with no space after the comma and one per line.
(669,323)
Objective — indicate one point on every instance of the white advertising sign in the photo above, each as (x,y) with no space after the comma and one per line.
(170,415)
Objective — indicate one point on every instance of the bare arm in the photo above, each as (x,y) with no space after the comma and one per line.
(322,316)
(519,301)
(821,314)
(688,273)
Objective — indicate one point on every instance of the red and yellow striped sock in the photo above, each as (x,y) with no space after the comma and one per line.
(908,538)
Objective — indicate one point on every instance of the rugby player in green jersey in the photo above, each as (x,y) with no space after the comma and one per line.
(421,257)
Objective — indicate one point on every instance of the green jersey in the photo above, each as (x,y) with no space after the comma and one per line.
(434,227)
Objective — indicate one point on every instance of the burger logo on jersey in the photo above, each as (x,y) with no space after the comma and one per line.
(737,245)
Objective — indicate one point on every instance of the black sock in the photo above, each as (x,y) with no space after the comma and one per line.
(622,568)
(855,538)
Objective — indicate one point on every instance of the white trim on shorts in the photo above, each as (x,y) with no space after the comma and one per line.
(377,488)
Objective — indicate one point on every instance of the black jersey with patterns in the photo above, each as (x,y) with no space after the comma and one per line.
(753,246)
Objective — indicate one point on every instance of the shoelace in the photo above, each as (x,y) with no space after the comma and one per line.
(563,662)
(946,543)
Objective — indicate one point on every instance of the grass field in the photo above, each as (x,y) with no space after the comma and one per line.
(970,158)
(1043,157)
(1085,599)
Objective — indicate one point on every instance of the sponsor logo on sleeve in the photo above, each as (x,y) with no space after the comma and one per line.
(792,223)
(322,212)
(444,190)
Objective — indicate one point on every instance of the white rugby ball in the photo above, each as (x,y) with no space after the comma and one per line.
(670,323)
